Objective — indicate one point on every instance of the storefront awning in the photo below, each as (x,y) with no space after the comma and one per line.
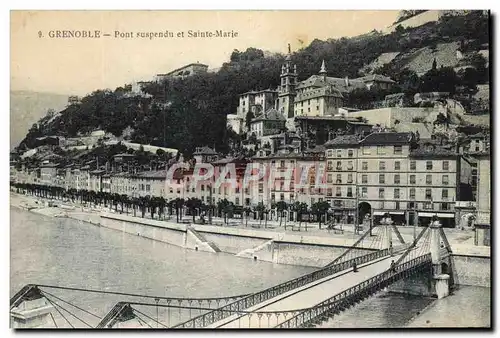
(396,212)
(431,214)
(379,213)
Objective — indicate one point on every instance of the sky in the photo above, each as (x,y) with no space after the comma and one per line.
(77,66)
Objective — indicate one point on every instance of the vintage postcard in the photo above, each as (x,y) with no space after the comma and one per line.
(250,169)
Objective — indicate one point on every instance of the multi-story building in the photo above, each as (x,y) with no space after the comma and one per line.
(394,173)
(484,189)
(434,183)
(341,176)
(269,123)
(184,71)
(288,165)
(48,174)
(317,96)
(478,143)
(73,178)
(256,102)
(149,183)
(234,193)
(96,180)
(205,155)
(106,183)
(122,183)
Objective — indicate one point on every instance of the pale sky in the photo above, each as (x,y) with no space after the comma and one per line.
(79,66)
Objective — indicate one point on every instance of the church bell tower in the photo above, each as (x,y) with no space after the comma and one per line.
(286,94)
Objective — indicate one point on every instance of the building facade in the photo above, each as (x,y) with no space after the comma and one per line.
(184,71)
(391,172)
(484,190)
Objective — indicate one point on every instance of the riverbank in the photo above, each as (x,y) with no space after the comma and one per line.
(312,248)
(372,312)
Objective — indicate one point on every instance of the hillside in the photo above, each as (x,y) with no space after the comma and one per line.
(28,107)
(190,112)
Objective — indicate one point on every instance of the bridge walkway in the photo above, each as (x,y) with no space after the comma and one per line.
(307,296)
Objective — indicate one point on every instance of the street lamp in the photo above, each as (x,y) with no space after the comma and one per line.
(368,219)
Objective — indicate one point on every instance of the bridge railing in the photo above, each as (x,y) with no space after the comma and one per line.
(259,297)
(347,297)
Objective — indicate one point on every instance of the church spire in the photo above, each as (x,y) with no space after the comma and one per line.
(322,71)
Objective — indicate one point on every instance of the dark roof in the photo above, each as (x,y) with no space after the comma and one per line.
(124,155)
(229,160)
(291,155)
(270,115)
(49,165)
(152,174)
(343,140)
(478,135)
(387,138)
(432,152)
(376,78)
(254,92)
(205,151)
(327,118)
(318,149)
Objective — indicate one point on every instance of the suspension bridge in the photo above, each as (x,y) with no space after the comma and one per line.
(301,302)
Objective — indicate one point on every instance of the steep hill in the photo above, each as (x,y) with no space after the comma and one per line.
(190,112)
(28,107)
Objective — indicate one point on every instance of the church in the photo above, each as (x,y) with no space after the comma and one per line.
(317,96)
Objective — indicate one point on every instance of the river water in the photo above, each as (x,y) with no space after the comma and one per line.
(65,252)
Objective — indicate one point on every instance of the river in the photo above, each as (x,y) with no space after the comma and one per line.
(65,252)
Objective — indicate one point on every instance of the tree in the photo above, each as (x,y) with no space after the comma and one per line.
(160,152)
(434,64)
(226,208)
(399,29)
(260,208)
(281,206)
(443,79)
(320,209)
(479,63)
(408,81)
(300,208)
(193,204)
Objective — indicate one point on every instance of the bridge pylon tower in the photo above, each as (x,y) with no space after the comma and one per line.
(440,278)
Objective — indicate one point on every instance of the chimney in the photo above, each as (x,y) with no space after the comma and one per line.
(346,80)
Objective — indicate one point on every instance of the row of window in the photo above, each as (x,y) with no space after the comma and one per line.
(445,166)
(409,206)
(381,150)
(381,179)
(381,193)
(397,179)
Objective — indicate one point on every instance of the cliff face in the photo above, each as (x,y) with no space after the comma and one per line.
(28,107)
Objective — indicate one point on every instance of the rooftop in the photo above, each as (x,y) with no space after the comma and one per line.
(183,67)
(343,85)
(205,151)
(124,155)
(387,138)
(343,140)
(152,174)
(271,114)
(376,78)
(255,92)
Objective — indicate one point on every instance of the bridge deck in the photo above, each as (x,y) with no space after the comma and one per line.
(306,296)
